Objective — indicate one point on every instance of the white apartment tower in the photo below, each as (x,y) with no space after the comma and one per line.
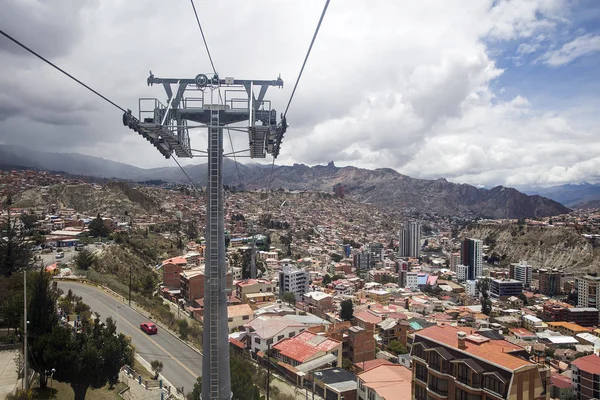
(462,272)
(293,280)
(588,289)
(523,272)
(454,261)
(410,240)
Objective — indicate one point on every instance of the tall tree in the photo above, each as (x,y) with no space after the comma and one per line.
(98,228)
(43,319)
(91,358)
(289,298)
(483,286)
(15,254)
(85,259)
(347,310)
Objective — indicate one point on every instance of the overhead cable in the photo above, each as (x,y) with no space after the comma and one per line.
(60,69)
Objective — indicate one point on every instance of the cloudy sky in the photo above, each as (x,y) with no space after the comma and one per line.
(478,91)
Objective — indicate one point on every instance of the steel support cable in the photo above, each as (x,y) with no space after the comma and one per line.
(212,64)
(186,174)
(60,69)
(312,42)
(82,84)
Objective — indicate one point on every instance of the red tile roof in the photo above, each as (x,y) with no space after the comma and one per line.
(494,351)
(589,364)
(368,317)
(304,346)
(175,260)
(561,381)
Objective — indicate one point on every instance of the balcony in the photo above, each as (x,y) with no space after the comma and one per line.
(468,383)
(437,391)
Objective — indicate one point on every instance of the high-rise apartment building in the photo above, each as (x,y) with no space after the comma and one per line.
(363,261)
(454,261)
(293,280)
(472,255)
(410,240)
(588,290)
(523,272)
(454,363)
(549,282)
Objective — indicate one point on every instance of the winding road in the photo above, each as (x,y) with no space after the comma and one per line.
(182,365)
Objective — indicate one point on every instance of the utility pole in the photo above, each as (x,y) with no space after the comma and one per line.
(25,368)
(165,127)
(253,255)
(130,285)
(268,370)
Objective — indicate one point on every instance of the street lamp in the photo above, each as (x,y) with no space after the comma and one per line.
(52,371)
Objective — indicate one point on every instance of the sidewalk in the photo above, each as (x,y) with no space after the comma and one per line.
(138,391)
(8,372)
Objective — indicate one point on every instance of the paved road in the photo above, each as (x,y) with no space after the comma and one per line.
(182,365)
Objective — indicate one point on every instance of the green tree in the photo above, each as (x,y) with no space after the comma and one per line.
(98,228)
(157,367)
(326,279)
(43,319)
(483,286)
(197,392)
(289,298)
(183,327)
(243,374)
(91,358)
(336,257)
(397,348)
(85,259)
(28,221)
(15,254)
(347,310)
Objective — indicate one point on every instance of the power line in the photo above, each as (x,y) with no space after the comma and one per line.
(186,174)
(307,54)
(60,69)
(300,76)
(220,97)
(203,38)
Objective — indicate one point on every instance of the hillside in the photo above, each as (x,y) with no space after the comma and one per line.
(549,247)
(574,196)
(384,187)
(116,198)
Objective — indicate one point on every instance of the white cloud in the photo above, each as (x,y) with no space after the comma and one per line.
(579,47)
(406,85)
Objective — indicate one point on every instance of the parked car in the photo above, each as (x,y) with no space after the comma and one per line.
(149,328)
(59,255)
(79,246)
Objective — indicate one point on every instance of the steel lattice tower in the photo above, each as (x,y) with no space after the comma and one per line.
(166,128)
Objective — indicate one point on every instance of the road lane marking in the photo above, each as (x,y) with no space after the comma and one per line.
(194,375)
(164,350)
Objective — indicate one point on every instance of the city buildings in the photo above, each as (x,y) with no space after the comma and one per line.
(582,316)
(171,269)
(307,346)
(454,261)
(505,288)
(449,362)
(412,280)
(363,261)
(549,282)
(472,255)
(410,240)
(462,272)
(523,272)
(588,291)
(293,280)
(586,377)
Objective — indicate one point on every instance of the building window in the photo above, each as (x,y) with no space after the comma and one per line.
(269,341)
(438,385)
(371,395)
(229,319)
(245,317)
(417,351)
(435,361)
(280,337)
(420,393)
(361,386)
(257,340)
(292,334)
(421,372)
(462,373)
(494,385)
(462,395)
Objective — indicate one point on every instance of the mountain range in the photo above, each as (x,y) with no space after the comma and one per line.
(383,187)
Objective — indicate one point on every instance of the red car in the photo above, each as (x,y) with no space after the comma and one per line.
(149,328)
